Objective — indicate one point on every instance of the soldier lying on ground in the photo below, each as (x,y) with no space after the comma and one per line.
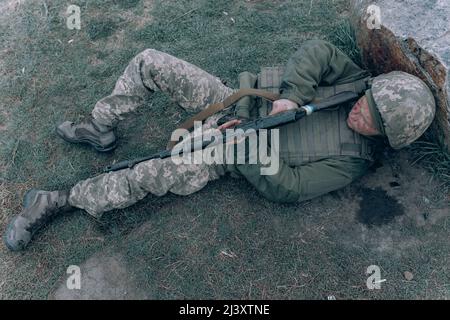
(318,154)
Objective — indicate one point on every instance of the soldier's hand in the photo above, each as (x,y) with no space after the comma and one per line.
(229,124)
(282,105)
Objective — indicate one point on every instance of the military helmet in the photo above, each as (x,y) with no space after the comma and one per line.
(405,105)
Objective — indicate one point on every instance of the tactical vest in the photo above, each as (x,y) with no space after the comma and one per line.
(321,135)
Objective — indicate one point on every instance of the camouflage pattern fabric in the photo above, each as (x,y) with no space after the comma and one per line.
(120,189)
(406,105)
(189,86)
(151,70)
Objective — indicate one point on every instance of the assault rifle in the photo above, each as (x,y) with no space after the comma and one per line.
(267,122)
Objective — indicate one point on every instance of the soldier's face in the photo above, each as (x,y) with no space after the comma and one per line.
(360,119)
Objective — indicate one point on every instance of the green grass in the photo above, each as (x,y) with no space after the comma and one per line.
(435,158)
(173,244)
(344,37)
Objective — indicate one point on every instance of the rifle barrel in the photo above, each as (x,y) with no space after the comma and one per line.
(267,122)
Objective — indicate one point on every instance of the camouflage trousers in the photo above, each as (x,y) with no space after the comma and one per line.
(189,86)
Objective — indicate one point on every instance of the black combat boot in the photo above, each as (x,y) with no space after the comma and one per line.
(39,207)
(101,137)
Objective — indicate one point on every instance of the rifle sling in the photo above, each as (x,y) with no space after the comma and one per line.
(216,107)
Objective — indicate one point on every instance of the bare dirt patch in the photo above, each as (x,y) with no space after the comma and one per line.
(103,277)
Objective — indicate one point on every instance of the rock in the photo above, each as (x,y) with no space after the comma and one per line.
(408,275)
(411,36)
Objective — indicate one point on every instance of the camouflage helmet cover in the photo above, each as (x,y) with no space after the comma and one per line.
(406,106)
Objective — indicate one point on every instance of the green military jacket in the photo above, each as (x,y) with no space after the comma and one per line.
(316,63)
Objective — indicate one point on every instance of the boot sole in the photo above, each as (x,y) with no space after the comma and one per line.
(7,231)
(85,141)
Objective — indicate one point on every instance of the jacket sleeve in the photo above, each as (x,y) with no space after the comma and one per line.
(316,62)
(304,182)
